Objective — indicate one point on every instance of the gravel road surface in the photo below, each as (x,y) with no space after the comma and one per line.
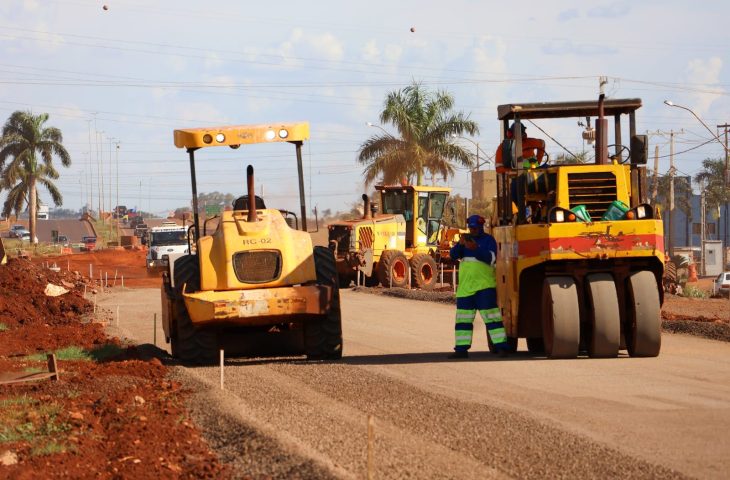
(486,417)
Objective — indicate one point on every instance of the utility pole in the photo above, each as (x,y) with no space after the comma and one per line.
(726,216)
(672,170)
(655,186)
(671,192)
(703,220)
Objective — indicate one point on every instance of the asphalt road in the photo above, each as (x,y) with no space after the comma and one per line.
(486,417)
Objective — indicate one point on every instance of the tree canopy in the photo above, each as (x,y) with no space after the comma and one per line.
(426,140)
(27,149)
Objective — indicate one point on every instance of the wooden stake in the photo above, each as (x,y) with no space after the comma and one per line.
(115,278)
(371,441)
(222,357)
(52,365)
(154,330)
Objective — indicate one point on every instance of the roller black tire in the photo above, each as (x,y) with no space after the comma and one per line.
(535,345)
(189,343)
(393,269)
(643,329)
(424,271)
(605,316)
(323,336)
(560,317)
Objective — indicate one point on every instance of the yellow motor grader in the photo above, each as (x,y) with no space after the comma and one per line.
(253,277)
(581,251)
(406,239)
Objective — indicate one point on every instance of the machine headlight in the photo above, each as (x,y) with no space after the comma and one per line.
(220,138)
(207,138)
(283,133)
(641,211)
(270,135)
(559,216)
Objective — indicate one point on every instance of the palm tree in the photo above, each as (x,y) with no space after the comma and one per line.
(26,159)
(712,176)
(427,130)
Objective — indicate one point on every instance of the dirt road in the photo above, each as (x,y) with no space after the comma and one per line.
(526,417)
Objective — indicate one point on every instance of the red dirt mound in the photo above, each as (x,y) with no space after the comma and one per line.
(117,417)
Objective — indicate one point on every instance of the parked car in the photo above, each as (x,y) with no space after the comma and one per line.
(721,285)
(25,235)
(17,230)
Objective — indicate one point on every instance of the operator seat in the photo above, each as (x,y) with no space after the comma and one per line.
(241,203)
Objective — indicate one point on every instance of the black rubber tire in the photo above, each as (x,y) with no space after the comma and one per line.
(535,345)
(605,316)
(643,328)
(424,271)
(190,344)
(323,336)
(393,269)
(560,317)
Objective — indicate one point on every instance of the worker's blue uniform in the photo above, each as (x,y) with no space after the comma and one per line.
(477,291)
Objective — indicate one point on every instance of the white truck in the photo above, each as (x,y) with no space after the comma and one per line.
(163,242)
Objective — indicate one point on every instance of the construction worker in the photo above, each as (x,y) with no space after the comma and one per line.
(477,290)
(533,151)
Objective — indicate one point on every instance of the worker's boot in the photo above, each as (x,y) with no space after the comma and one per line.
(459,354)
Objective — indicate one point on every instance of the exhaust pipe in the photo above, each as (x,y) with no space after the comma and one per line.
(251,195)
(367,214)
(601,134)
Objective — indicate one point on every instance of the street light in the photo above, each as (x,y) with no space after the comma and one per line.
(727,182)
(371,124)
(672,104)
(476,144)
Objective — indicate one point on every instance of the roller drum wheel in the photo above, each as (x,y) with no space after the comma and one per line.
(323,336)
(189,343)
(605,316)
(560,317)
(643,329)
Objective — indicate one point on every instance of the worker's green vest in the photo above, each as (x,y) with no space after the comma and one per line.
(474,275)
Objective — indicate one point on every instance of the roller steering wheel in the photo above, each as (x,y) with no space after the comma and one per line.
(615,155)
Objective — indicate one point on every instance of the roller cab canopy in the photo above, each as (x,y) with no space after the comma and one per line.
(236,135)
(588,108)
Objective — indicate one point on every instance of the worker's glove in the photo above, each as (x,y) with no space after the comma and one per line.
(493,262)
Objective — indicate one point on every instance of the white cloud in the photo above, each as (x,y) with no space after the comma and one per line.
(324,46)
(614,10)
(393,53)
(705,73)
(370,52)
(212,60)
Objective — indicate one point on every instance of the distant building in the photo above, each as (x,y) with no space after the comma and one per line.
(43,212)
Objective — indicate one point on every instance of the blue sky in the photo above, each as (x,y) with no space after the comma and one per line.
(133,73)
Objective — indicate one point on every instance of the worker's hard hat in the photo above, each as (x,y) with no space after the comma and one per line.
(512,127)
(475,221)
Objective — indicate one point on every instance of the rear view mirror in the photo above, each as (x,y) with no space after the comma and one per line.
(639,149)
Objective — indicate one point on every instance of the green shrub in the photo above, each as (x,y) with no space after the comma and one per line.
(691,291)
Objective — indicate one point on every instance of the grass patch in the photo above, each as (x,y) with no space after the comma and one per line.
(50,448)
(35,423)
(10,402)
(74,353)
(67,354)
(693,292)
(3,327)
